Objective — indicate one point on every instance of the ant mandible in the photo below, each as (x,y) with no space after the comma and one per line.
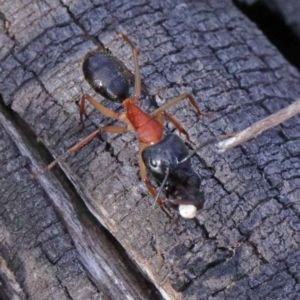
(110,78)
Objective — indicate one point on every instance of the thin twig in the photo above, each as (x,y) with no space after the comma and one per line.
(257,128)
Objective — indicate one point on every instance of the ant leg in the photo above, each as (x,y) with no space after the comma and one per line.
(111,129)
(147,182)
(159,201)
(160,118)
(161,110)
(176,100)
(177,125)
(137,76)
(105,111)
(144,175)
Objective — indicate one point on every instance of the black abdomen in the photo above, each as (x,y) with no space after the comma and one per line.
(108,76)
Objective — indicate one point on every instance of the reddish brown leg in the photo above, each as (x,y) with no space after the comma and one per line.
(105,111)
(177,125)
(144,175)
(160,117)
(147,183)
(161,110)
(159,201)
(175,101)
(111,129)
(137,77)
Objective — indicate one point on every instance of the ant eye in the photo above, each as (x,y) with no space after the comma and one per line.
(153,163)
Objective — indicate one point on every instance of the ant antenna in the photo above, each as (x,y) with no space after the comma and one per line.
(157,242)
(161,187)
(208,142)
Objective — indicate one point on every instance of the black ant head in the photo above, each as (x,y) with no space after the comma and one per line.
(167,154)
(167,162)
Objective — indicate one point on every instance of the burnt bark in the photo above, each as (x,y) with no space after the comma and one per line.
(289,11)
(280,22)
(244,244)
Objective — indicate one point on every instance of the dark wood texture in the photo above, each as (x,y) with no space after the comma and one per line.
(288,10)
(244,243)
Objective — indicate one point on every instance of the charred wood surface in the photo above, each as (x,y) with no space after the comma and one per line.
(280,22)
(244,244)
(289,11)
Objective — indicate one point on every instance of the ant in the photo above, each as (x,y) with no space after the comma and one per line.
(169,164)
(168,161)
(110,78)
